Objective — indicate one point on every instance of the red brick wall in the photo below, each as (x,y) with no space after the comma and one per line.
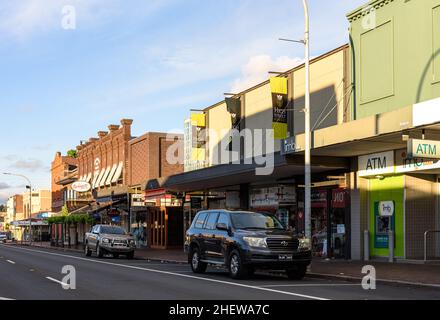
(110,148)
(59,166)
(147,158)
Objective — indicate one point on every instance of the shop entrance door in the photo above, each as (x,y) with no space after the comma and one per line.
(330,221)
(157,226)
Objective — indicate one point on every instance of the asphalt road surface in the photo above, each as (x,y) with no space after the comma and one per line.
(31,273)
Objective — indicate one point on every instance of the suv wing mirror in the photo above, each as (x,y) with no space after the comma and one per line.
(222,226)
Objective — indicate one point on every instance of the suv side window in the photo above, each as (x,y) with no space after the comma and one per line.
(200,220)
(211,221)
(224,218)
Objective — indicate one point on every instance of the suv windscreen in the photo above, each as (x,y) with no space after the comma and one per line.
(112,230)
(255,220)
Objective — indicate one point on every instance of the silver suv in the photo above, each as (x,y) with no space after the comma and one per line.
(104,239)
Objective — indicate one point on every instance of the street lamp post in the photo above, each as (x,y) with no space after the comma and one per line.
(307,133)
(30,201)
(307,171)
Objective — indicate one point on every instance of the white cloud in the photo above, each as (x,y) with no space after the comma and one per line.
(256,70)
(22,19)
(4,186)
(30,164)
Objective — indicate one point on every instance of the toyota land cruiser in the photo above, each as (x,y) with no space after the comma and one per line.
(245,241)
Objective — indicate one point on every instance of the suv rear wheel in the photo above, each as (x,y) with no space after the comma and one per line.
(196,265)
(297,273)
(236,268)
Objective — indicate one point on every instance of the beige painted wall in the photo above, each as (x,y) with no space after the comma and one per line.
(328,88)
(218,120)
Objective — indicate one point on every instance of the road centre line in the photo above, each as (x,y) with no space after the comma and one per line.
(10,261)
(312,285)
(57,281)
(175,274)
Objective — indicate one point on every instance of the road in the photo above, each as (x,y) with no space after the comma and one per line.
(33,273)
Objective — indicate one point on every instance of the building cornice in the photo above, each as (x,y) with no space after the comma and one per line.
(366,9)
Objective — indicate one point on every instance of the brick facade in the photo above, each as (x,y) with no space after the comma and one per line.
(143,158)
(104,152)
(60,168)
(148,158)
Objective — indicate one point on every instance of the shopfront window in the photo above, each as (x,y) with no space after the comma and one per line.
(329,222)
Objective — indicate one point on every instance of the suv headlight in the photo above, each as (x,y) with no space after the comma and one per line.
(255,242)
(304,244)
(132,242)
(105,240)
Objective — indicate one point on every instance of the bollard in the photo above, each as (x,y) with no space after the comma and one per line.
(391,246)
(366,245)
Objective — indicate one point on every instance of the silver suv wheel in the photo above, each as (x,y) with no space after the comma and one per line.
(195,260)
(234,264)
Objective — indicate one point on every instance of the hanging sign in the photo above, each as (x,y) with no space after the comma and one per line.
(81,186)
(376,164)
(423,149)
(280,101)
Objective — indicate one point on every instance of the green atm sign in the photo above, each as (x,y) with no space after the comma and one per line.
(423,149)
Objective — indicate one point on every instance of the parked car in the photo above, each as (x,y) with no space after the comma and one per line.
(243,242)
(104,239)
(3,237)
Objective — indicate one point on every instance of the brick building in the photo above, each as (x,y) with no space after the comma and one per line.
(147,158)
(14,212)
(63,173)
(117,167)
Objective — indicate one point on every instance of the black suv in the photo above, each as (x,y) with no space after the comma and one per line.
(244,241)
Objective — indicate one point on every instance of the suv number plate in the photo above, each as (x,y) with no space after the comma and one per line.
(285,257)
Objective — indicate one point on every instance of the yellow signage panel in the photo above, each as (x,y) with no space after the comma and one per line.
(198,119)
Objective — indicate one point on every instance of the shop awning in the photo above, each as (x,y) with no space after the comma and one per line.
(118,172)
(104,177)
(25,223)
(98,180)
(111,174)
(236,174)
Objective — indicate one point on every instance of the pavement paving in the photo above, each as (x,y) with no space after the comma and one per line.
(36,273)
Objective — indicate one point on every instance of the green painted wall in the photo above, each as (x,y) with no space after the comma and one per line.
(395,55)
(388,189)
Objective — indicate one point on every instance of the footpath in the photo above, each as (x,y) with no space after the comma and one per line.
(399,273)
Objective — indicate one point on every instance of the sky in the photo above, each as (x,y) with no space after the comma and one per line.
(69,68)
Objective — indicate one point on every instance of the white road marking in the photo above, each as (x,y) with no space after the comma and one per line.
(177,274)
(57,281)
(312,285)
(3,298)
(10,261)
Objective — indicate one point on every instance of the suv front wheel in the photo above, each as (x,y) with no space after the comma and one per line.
(236,268)
(196,265)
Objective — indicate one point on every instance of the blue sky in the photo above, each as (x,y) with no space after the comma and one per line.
(149,60)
